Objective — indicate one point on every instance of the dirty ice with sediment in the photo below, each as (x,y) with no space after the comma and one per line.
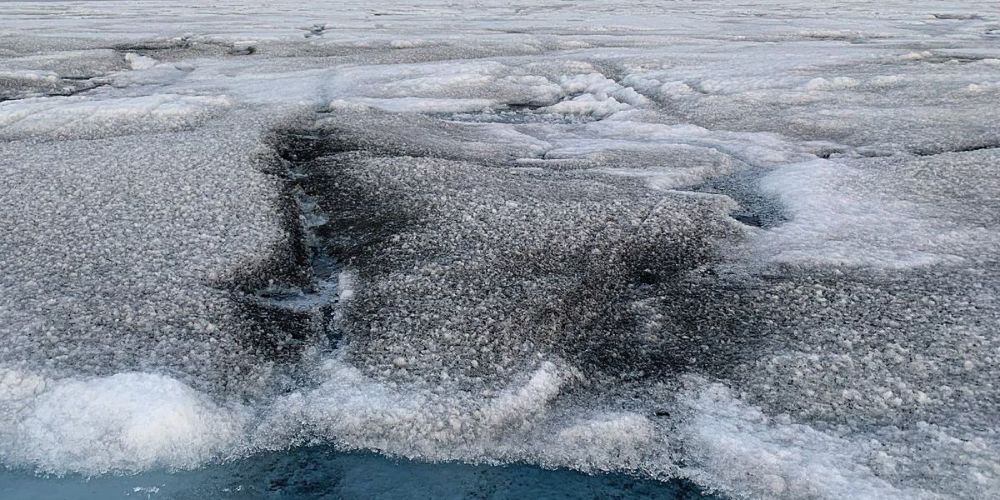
(751,245)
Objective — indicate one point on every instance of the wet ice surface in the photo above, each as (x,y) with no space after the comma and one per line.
(754,246)
(318,472)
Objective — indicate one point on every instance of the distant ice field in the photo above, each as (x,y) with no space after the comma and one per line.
(565,249)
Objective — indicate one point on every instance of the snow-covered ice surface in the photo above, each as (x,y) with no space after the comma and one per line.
(753,245)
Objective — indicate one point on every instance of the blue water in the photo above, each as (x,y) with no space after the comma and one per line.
(321,472)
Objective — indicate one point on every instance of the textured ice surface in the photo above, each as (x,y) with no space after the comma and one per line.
(750,244)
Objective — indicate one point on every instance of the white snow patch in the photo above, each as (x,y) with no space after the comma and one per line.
(982,88)
(127,422)
(675,90)
(602,440)
(405,44)
(81,116)
(137,62)
(29,75)
(736,447)
(888,81)
(595,95)
(839,217)
(588,104)
(917,55)
(837,83)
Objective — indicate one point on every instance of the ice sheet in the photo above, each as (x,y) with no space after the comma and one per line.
(752,244)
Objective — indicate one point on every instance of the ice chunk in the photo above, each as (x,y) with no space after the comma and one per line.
(126,422)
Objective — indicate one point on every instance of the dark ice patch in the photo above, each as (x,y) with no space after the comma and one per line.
(756,208)
(476,271)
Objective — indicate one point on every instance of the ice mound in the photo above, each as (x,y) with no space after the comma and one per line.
(558,88)
(837,83)
(732,444)
(521,422)
(139,62)
(596,95)
(132,422)
(126,422)
(352,407)
(608,442)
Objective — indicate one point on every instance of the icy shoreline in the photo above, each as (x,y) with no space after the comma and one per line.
(318,471)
